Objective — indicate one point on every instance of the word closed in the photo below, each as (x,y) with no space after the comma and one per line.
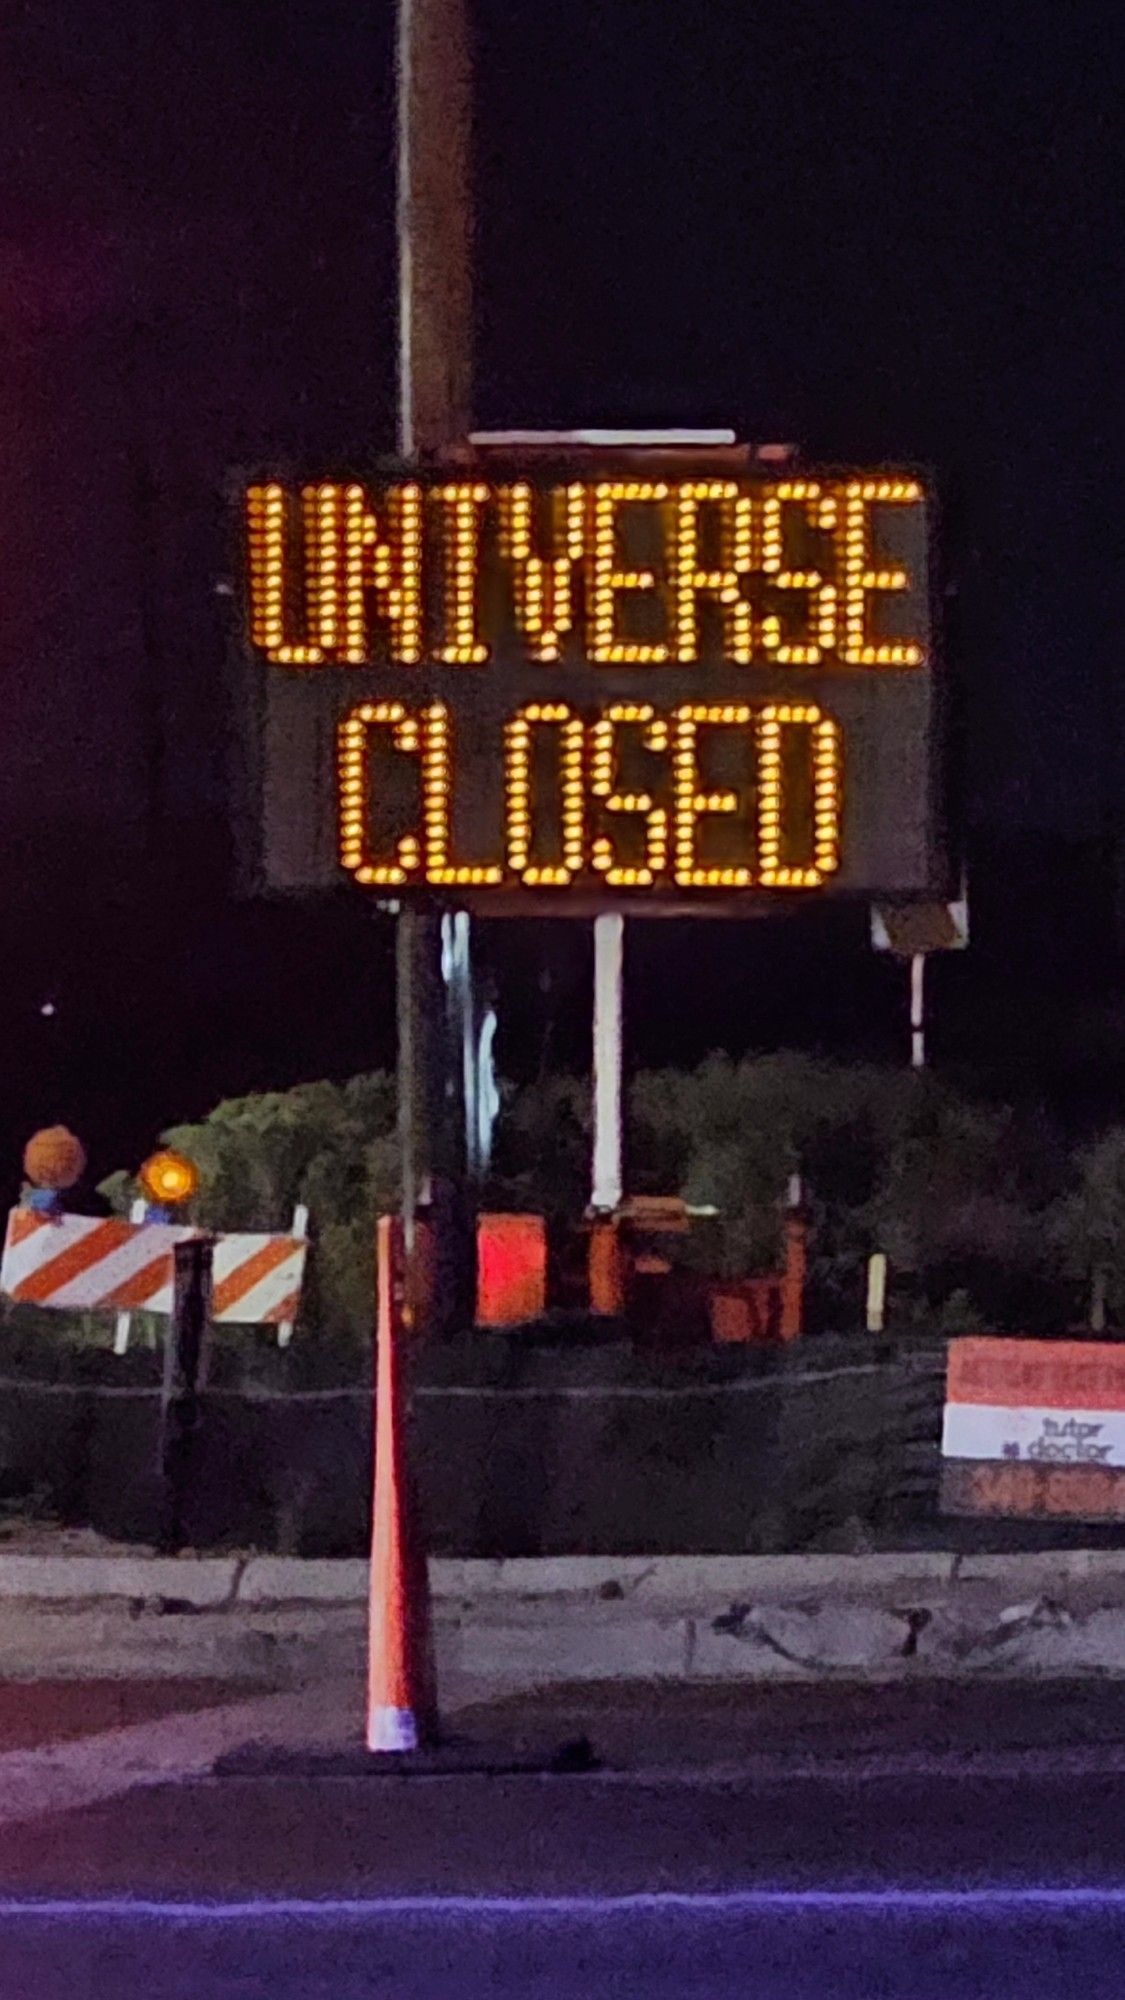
(615,572)
(564,806)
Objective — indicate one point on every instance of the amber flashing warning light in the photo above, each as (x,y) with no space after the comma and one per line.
(169,1178)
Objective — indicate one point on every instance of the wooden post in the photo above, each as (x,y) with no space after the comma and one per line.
(792,1288)
(607,1267)
(185,1346)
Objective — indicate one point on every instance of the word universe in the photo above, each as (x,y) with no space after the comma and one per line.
(613,572)
(652,686)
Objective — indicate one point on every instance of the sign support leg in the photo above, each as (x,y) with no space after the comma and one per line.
(457,973)
(421,1057)
(609,971)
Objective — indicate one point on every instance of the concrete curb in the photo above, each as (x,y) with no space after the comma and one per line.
(904,1629)
(683,1582)
(206,1582)
(656,1580)
(296,1580)
(572,1643)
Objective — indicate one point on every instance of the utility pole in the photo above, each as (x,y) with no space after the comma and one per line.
(434,227)
(434,350)
(434,230)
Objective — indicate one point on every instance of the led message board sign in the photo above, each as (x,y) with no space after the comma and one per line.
(557,692)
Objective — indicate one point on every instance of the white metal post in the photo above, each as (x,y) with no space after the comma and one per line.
(300,1229)
(918,1010)
(609,968)
(876,1292)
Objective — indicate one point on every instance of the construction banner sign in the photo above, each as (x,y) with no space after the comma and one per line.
(1035,1427)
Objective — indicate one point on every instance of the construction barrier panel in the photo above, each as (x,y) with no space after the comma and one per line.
(82,1263)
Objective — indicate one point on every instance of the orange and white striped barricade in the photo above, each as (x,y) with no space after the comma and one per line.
(81,1263)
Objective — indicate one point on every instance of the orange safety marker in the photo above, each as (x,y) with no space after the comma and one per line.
(511,1269)
(401,1694)
(607,1266)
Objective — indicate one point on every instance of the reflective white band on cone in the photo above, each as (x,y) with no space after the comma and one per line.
(392,1729)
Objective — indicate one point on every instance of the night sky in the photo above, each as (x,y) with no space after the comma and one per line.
(881,230)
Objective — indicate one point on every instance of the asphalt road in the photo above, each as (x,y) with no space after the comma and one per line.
(794,1951)
(988,1860)
(573,1889)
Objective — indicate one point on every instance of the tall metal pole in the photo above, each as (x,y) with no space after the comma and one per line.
(434,229)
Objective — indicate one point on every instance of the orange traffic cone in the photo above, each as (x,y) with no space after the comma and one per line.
(401,1699)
